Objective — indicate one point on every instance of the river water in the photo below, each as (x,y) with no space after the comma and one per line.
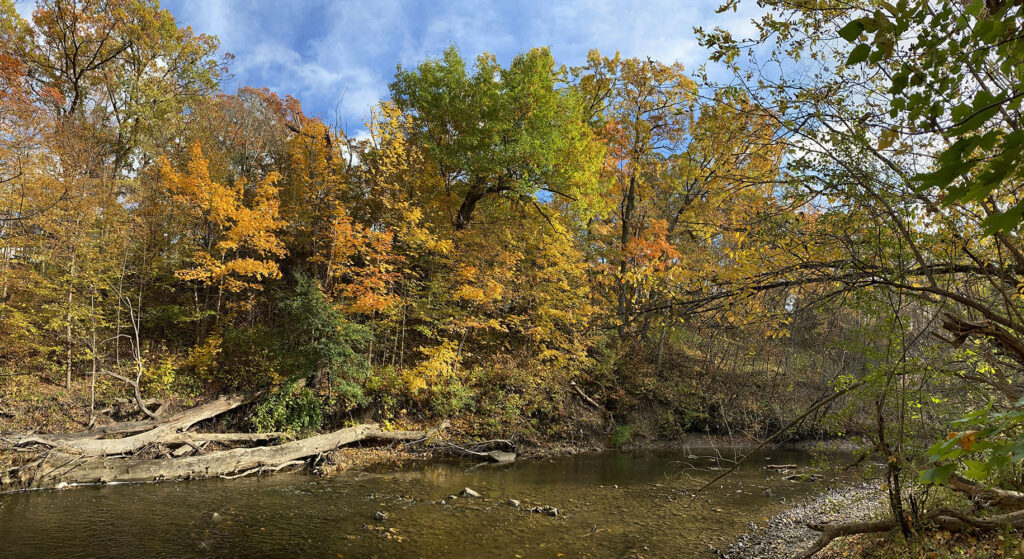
(611,504)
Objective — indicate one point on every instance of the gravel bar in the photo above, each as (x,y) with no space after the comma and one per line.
(787,535)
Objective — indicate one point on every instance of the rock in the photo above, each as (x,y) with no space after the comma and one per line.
(550,511)
(502,457)
(216,517)
(467,492)
(514,503)
(62,485)
(768,493)
(380,515)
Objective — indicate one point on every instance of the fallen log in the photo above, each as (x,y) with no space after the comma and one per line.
(780,467)
(945,519)
(991,496)
(831,532)
(957,522)
(610,419)
(89,444)
(80,469)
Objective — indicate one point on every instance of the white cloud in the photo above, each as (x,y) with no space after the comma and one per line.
(324,52)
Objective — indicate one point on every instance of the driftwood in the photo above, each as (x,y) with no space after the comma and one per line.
(149,432)
(57,466)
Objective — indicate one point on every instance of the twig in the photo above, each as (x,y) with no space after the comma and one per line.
(774,436)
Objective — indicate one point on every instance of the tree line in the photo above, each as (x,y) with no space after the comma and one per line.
(512,245)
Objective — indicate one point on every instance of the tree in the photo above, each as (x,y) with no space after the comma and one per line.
(319,344)
(234,241)
(507,132)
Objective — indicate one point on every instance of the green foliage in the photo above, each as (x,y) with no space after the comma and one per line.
(316,342)
(990,441)
(499,131)
(937,86)
(291,409)
(622,435)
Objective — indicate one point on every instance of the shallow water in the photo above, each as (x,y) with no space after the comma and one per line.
(612,504)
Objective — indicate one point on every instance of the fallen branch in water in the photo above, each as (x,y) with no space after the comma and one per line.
(777,434)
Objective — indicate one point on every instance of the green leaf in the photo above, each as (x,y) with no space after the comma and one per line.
(976,470)
(899,83)
(1002,222)
(937,475)
(859,54)
(852,30)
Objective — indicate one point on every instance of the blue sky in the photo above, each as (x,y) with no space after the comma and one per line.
(337,57)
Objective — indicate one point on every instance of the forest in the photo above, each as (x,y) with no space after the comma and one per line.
(623,252)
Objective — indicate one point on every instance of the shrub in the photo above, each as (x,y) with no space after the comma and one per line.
(291,409)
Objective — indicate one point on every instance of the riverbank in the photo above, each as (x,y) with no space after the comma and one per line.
(786,535)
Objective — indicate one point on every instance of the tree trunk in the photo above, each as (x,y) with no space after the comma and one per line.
(89,445)
(66,468)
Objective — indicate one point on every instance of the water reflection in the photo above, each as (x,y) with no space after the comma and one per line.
(612,504)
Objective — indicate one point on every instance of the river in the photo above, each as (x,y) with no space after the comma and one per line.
(611,504)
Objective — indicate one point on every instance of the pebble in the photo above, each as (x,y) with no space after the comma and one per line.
(787,535)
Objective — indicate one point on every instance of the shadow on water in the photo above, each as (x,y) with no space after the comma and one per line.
(611,504)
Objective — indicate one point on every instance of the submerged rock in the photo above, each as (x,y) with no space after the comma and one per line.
(502,457)
(467,492)
(550,511)
(380,515)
